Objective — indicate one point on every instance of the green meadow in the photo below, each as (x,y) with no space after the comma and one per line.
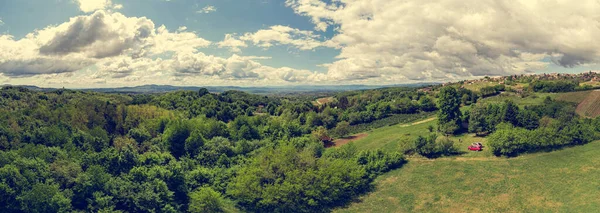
(560,181)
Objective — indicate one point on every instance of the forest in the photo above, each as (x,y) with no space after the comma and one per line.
(196,151)
(187,151)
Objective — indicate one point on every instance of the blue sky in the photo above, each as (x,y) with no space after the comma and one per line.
(231,16)
(105,43)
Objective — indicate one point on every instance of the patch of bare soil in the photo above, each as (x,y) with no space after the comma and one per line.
(342,141)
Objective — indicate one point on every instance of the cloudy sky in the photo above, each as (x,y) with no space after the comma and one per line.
(107,43)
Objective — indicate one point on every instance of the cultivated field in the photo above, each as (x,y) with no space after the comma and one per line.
(590,106)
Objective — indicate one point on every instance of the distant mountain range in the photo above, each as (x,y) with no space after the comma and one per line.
(218,89)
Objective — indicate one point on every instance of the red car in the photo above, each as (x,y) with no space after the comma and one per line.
(476,146)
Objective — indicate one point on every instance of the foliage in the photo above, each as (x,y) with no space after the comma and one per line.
(433,147)
(285,179)
(449,113)
(205,199)
(512,141)
(554,86)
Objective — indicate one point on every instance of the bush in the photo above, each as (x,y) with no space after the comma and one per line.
(511,141)
(432,147)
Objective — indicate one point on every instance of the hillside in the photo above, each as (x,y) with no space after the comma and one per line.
(590,106)
(542,182)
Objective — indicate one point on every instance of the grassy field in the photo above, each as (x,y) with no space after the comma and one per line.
(560,181)
(573,97)
(394,137)
(478,85)
(537,98)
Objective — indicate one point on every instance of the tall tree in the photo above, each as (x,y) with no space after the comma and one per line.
(449,114)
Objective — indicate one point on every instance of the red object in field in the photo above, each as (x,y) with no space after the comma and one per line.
(476,147)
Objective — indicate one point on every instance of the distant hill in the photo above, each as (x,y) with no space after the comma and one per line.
(219,89)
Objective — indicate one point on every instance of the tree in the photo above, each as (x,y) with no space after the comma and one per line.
(194,143)
(449,114)
(175,135)
(321,134)
(477,120)
(44,198)
(342,128)
(425,146)
(426,104)
(205,199)
(510,112)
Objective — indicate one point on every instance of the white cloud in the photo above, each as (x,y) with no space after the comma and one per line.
(111,49)
(1,22)
(283,35)
(276,35)
(232,43)
(88,6)
(98,35)
(395,40)
(207,9)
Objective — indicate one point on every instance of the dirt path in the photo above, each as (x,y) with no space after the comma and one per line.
(342,141)
(419,122)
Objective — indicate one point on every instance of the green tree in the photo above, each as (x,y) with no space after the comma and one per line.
(175,136)
(194,143)
(449,114)
(205,199)
(44,198)
(342,128)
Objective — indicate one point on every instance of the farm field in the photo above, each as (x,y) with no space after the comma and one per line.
(560,181)
(590,106)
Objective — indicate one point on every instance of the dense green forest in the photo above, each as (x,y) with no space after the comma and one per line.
(190,151)
(195,151)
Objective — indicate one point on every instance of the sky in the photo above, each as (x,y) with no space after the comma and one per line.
(114,43)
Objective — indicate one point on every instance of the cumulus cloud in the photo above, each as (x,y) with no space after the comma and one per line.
(273,36)
(88,6)
(452,39)
(232,43)
(83,41)
(99,35)
(283,35)
(108,47)
(207,9)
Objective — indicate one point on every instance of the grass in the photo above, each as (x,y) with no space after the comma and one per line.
(560,181)
(574,97)
(537,98)
(394,137)
(476,86)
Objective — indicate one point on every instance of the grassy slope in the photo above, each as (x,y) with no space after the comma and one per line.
(565,180)
(589,102)
(590,106)
(478,181)
(574,97)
